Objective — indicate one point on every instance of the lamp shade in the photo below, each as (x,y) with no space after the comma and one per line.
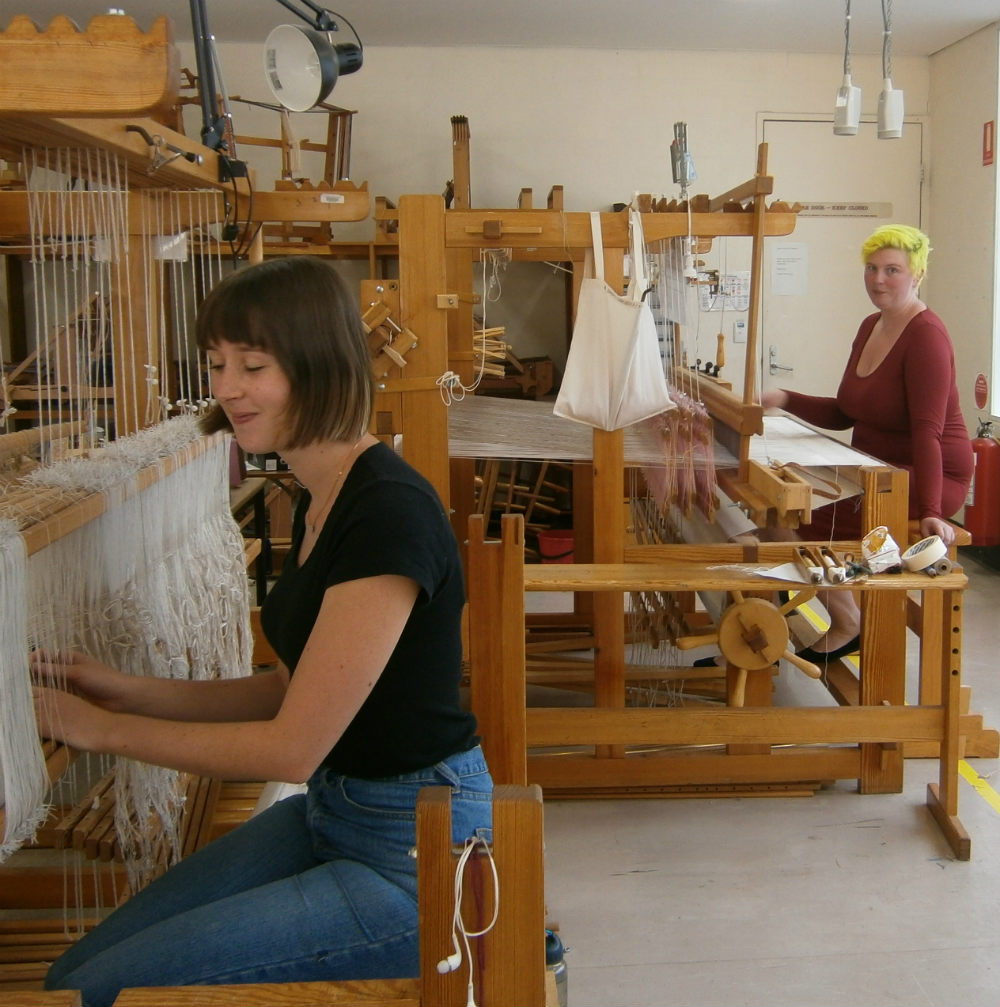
(847,109)
(890,112)
(302,65)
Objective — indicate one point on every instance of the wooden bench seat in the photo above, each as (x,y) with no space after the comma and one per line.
(509,960)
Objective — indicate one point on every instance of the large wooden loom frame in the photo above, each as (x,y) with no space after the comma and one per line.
(753,748)
(87,109)
(435,250)
(59,88)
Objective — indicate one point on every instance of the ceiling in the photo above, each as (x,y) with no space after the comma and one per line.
(919,27)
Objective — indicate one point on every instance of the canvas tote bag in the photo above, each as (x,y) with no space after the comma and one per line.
(614,375)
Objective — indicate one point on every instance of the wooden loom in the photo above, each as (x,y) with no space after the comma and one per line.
(434,247)
(432,300)
(51,96)
(59,88)
(509,960)
(736,750)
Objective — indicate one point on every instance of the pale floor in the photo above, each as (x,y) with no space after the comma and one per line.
(835,899)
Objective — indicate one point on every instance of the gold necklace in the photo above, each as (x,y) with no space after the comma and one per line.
(313,523)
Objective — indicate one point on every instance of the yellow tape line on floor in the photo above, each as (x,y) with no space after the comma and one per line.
(979,785)
(977,782)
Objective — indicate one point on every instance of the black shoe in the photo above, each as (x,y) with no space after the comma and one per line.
(825,657)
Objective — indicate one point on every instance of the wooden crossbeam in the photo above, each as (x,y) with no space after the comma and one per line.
(54,72)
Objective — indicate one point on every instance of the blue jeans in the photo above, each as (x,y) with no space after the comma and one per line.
(320,886)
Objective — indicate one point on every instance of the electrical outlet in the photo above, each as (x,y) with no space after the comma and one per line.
(739,331)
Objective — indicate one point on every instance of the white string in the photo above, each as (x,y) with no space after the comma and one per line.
(492,286)
(155,586)
(451,388)
(450,384)
(23,778)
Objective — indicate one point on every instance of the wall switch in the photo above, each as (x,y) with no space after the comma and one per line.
(739,331)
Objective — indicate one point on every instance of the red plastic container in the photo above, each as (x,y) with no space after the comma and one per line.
(556,545)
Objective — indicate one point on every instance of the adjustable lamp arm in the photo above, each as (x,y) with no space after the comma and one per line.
(212,124)
(322,19)
(336,60)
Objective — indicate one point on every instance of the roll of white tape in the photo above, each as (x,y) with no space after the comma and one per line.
(927,552)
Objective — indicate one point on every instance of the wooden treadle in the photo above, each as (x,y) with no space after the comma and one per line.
(30,942)
(27,948)
(689,790)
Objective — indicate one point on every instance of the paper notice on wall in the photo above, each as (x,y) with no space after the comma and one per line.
(845,210)
(724,291)
(789,269)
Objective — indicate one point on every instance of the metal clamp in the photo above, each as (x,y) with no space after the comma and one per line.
(157,144)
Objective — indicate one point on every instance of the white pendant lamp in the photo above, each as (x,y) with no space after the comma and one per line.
(847,109)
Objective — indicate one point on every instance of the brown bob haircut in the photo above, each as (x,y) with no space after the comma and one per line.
(299,310)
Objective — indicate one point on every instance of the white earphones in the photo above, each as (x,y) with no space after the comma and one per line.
(454,960)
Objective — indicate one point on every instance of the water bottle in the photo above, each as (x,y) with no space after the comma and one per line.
(555,962)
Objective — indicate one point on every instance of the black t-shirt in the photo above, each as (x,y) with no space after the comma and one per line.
(387,520)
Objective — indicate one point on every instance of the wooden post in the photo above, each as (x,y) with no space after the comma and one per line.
(512,962)
(136,295)
(496,645)
(942,797)
(436,897)
(609,547)
(508,962)
(608,494)
(422,278)
(883,632)
(460,323)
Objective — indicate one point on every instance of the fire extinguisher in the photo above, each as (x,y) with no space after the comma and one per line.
(982,513)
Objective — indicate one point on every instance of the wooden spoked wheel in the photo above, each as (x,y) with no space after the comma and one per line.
(753,634)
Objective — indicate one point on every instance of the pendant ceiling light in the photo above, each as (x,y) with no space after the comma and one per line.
(847,110)
(890,100)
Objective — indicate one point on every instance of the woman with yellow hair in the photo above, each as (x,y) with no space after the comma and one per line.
(900,396)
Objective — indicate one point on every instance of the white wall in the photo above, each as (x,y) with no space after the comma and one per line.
(600,124)
(963,202)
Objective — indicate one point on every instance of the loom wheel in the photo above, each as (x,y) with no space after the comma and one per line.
(753,635)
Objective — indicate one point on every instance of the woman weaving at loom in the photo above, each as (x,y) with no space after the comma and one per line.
(899,394)
(366,619)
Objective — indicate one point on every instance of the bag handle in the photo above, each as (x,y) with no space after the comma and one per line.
(638,280)
(637,249)
(598,244)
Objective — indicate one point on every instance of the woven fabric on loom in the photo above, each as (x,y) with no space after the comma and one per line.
(155,584)
(23,780)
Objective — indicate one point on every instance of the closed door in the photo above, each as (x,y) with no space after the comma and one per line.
(814,299)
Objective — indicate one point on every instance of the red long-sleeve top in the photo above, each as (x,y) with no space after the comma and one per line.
(905,413)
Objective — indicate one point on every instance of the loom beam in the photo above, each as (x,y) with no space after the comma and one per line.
(52,72)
